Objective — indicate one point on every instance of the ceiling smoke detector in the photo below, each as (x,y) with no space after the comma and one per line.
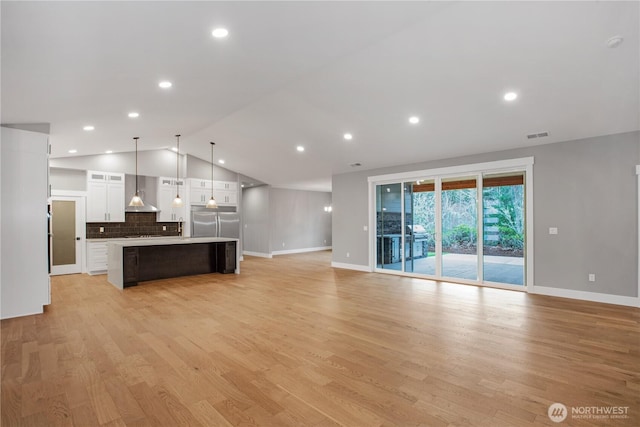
(614,42)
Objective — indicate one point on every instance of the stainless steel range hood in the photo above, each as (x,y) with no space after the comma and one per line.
(146,208)
(147,189)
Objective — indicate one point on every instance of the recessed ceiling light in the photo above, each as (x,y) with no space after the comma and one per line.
(174,149)
(414,120)
(133,114)
(348,136)
(300,148)
(510,96)
(165,85)
(615,41)
(221,161)
(73,151)
(89,127)
(220,33)
(109,151)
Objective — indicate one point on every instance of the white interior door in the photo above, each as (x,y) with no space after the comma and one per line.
(67,234)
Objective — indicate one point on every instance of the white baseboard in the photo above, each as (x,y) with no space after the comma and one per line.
(300,251)
(356,267)
(258,254)
(586,296)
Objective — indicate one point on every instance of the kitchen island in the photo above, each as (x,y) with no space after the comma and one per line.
(138,260)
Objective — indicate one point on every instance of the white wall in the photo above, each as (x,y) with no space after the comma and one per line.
(24,277)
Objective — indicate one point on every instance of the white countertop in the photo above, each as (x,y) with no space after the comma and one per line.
(111,239)
(168,241)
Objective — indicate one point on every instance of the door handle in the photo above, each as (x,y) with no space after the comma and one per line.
(78,238)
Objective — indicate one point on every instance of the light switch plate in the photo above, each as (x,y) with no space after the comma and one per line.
(553,230)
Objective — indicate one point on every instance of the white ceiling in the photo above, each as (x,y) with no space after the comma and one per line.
(304,73)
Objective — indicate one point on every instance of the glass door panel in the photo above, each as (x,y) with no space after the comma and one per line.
(420,230)
(503,228)
(66,228)
(63,228)
(407,238)
(459,228)
(389,226)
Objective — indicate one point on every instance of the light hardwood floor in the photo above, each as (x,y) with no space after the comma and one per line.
(293,342)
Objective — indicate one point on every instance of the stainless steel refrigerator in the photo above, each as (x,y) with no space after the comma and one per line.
(221,222)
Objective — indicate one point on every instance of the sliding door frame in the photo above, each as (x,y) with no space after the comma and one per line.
(524,164)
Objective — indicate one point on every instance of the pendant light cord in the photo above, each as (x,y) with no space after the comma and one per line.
(136,140)
(178,166)
(212,144)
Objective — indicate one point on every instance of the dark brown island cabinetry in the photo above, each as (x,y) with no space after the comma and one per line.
(142,263)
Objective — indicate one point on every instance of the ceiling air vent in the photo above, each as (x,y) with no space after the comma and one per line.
(355,165)
(537,135)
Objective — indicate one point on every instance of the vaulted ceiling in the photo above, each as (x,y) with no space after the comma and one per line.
(306,73)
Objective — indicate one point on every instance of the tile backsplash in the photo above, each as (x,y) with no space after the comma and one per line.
(136,224)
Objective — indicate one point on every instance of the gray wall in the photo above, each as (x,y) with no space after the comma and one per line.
(273,216)
(255,216)
(298,219)
(151,163)
(198,168)
(68,179)
(587,188)
(31,127)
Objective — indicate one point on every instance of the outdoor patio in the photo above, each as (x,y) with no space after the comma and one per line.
(498,269)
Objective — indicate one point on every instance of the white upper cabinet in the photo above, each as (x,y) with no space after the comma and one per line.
(105,197)
(168,188)
(226,198)
(225,192)
(226,185)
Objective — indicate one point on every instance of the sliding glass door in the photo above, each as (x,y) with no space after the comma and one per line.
(420,230)
(433,227)
(460,228)
(503,228)
(389,226)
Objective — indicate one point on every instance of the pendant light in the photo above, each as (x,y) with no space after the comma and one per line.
(177,202)
(211,204)
(136,200)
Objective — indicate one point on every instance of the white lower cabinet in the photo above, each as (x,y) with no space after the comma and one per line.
(96,257)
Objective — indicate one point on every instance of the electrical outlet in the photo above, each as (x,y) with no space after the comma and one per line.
(348,255)
(325,241)
(283,244)
(553,230)
(164,228)
(102,229)
(365,228)
(592,277)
